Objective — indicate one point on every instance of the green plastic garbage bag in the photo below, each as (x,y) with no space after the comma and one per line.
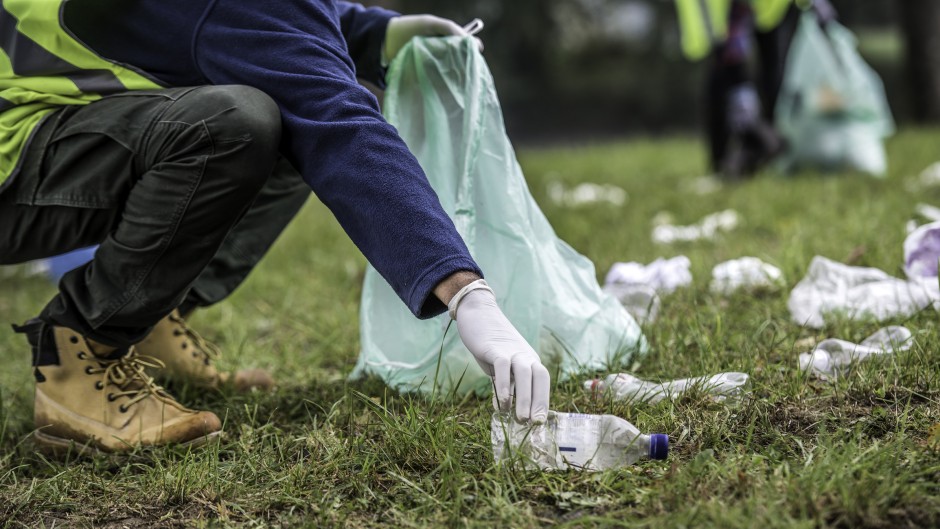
(441,98)
(832,108)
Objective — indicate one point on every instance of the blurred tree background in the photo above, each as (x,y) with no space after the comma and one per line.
(574,69)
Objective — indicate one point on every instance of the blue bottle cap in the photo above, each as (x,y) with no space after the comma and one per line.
(659,446)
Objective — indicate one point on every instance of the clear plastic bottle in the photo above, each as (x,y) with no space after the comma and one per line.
(575,441)
(624,386)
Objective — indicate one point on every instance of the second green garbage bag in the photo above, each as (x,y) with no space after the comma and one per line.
(442,99)
(832,108)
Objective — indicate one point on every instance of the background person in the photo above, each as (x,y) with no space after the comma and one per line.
(739,106)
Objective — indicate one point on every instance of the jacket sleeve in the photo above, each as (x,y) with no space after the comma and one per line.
(364,31)
(334,134)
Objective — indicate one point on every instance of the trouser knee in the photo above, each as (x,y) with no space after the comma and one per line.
(240,128)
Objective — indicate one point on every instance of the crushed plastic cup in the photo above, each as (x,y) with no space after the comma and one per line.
(641,301)
(833,357)
(664,276)
(626,387)
(586,193)
(747,273)
(638,287)
(708,228)
(930,177)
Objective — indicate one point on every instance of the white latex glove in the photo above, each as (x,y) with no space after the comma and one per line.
(502,352)
(401,29)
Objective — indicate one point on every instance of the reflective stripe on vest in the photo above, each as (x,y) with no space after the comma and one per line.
(702,23)
(769,13)
(43,67)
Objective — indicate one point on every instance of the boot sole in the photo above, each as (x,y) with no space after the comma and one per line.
(57,446)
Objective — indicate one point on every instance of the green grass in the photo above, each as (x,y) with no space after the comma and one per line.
(322,451)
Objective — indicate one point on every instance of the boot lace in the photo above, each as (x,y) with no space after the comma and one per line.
(129,375)
(202,347)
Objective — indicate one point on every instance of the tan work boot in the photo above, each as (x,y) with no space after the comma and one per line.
(89,401)
(189,358)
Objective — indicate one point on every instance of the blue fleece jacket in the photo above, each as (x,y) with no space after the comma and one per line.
(305,54)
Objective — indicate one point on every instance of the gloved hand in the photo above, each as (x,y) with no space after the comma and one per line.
(502,352)
(401,29)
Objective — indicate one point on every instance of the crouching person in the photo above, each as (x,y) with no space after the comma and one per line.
(182,136)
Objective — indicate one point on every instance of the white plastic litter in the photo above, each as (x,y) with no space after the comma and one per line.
(702,185)
(574,441)
(586,193)
(30,269)
(834,357)
(930,177)
(708,228)
(626,387)
(856,292)
(665,276)
(638,287)
(932,213)
(921,251)
(641,301)
(744,273)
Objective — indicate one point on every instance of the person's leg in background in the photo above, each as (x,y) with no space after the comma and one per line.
(716,108)
(158,179)
(742,140)
(772,48)
(727,70)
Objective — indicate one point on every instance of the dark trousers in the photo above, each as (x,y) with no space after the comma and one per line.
(723,76)
(182,189)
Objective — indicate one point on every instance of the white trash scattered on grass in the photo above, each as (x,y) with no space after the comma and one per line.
(702,185)
(857,293)
(638,287)
(708,228)
(931,213)
(586,193)
(930,177)
(626,387)
(927,179)
(834,357)
(641,301)
(922,250)
(574,441)
(30,269)
(665,276)
(745,273)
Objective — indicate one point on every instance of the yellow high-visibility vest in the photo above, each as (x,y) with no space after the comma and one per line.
(43,67)
(704,23)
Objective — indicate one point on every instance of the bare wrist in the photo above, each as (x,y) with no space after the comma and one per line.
(446,289)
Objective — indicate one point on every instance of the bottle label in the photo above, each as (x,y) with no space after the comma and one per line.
(574,434)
